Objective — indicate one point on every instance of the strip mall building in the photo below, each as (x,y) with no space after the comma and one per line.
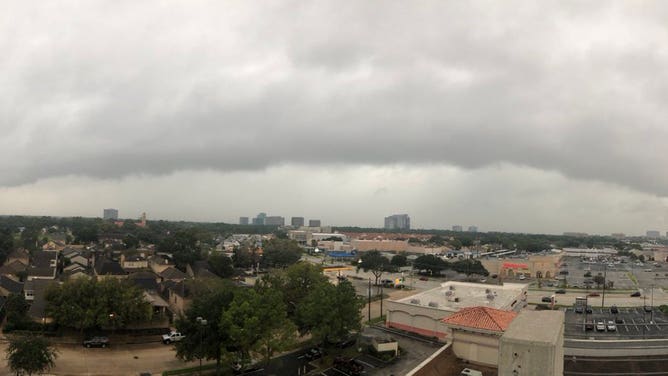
(423,313)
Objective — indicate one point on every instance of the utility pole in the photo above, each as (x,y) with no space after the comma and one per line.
(369,299)
(605,281)
(381,300)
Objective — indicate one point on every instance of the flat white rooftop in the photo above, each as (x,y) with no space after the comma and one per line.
(453,296)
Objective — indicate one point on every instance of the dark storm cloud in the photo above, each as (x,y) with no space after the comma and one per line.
(108,89)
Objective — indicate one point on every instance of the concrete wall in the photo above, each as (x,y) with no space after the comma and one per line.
(417,319)
(528,357)
(476,348)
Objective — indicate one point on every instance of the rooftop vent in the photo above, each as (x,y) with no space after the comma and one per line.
(490,296)
(452,287)
(415,301)
(433,304)
(448,293)
(456,300)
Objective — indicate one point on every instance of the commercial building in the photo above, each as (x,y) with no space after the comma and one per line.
(473,228)
(243,220)
(297,222)
(540,265)
(457,228)
(313,223)
(259,220)
(398,222)
(110,214)
(476,332)
(423,313)
(274,221)
(380,245)
(533,344)
(653,234)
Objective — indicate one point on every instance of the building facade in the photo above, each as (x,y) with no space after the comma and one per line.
(313,223)
(274,221)
(110,214)
(297,221)
(398,222)
(243,220)
(457,228)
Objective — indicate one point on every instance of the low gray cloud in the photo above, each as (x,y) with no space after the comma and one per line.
(108,89)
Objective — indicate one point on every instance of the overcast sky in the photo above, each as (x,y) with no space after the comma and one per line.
(513,116)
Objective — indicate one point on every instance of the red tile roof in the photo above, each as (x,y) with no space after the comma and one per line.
(484,318)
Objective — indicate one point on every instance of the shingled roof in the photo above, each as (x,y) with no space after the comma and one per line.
(481,318)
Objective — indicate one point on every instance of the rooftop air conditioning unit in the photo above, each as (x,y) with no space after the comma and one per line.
(452,287)
(448,293)
(456,300)
(415,301)
(433,304)
(487,291)
(490,296)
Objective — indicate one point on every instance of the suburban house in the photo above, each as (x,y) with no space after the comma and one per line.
(105,268)
(44,265)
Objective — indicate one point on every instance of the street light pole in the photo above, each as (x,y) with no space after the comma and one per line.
(202,322)
(652,305)
(605,280)
(369,299)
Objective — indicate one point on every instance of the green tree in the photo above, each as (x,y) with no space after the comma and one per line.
(88,303)
(211,299)
(30,355)
(376,262)
(599,280)
(281,253)
(184,245)
(16,310)
(430,263)
(221,265)
(257,321)
(331,312)
(399,261)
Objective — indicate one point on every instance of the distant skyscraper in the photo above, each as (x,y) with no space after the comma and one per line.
(274,221)
(110,214)
(243,220)
(457,228)
(313,223)
(473,229)
(398,222)
(653,234)
(259,220)
(297,221)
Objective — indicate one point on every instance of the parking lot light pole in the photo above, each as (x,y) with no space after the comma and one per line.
(369,299)
(652,305)
(605,281)
(202,322)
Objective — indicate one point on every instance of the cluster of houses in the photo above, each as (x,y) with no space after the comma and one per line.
(164,286)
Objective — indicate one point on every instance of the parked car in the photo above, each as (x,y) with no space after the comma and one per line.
(594,294)
(636,294)
(522,277)
(611,327)
(560,291)
(579,309)
(647,309)
(619,320)
(470,372)
(546,299)
(614,310)
(424,279)
(96,342)
(589,309)
(600,326)
(589,325)
(314,353)
(172,337)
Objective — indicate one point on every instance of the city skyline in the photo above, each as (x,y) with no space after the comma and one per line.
(509,124)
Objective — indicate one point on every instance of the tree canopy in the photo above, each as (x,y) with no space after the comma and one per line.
(89,303)
(30,355)
(280,252)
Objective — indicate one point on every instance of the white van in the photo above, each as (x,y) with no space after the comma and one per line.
(470,372)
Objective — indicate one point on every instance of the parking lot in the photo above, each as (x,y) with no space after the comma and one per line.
(624,275)
(630,323)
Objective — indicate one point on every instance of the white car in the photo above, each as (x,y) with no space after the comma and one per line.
(611,326)
(522,277)
(172,337)
(600,326)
